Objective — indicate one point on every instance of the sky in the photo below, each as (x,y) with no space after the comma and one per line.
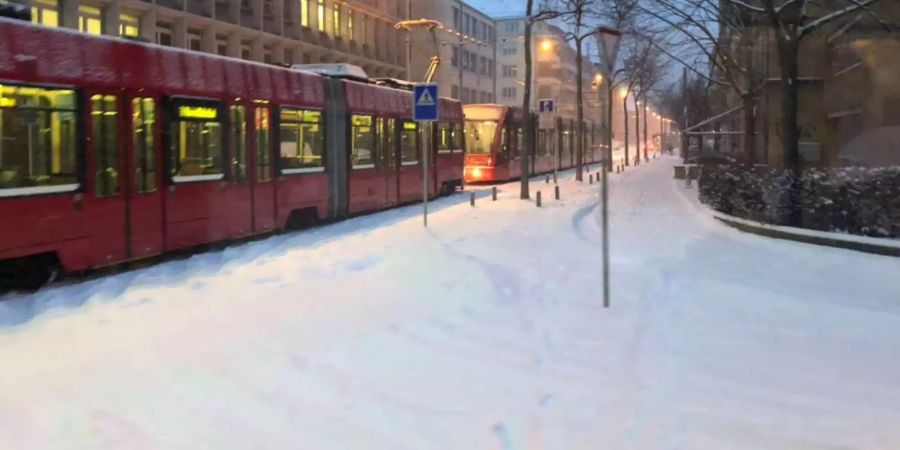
(499,8)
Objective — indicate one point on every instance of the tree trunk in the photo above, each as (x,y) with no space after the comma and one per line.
(790,138)
(637,131)
(526,104)
(646,159)
(625,122)
(749,130)
(579,113)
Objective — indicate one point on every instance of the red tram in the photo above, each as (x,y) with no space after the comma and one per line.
(495,142)
(113,150)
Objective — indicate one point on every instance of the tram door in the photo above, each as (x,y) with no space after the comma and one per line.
(104,202)
(261,170)
(143,181)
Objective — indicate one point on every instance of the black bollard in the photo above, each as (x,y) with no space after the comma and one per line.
(591,179)
(547,179)
(538,199)
(472,198)
(494,193)
(557,191)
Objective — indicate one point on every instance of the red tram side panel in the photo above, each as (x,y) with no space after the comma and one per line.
(113,150)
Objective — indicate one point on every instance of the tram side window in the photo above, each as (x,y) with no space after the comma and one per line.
(103,138)
(457,136)
(302,141)
(363,146)
(263,159)
(445,137)
(196,147)
(37,140)
(409,154)
(520,142)
(143,119)
(388,142)
(238,142)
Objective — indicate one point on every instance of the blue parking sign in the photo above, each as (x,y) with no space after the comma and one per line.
(425,103)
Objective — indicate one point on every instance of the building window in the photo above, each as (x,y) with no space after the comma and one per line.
(246,50)
(473,62)
(484,66)
(456,18)
(350,25)
(163,34)
(238,145)
(304,13)
(320,15)
(509,71)
(104,136)
(129,25)
(194,40)
(143,125)
(507,51)
(454,57)
(221,45)
(37,140)
(509,92)
(196,149)
(263,152)
(90,19)
(336,13)
(45,12)
(511,27)
(301,143)
(364,140)
(409,154)
(267,55)
(454,91)
(465,59)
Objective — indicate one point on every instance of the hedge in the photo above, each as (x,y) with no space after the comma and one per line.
(855,200)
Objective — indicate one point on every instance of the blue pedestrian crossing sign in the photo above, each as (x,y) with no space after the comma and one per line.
(547,106)
(425,103)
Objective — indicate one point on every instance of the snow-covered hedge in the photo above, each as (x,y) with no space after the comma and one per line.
(856,200)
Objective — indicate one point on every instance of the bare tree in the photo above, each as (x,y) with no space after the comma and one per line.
(715,42)
(531,17)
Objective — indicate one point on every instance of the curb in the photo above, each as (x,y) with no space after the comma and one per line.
(877,246)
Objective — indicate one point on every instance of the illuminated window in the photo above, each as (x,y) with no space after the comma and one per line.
(45,12)
(129,25)
(364,152)
(90,19)
(143,120)
(449,137)
(409,152)
(238,142)
(350,24)
(336,13)
(302,141)
(195,150)
(320,15)
(304,13)
(104,137)
(37,140)
(263,152)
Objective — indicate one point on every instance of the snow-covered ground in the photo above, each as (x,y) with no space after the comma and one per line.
(484,331)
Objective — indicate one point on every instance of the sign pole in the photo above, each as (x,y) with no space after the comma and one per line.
(608,40)
(425,112)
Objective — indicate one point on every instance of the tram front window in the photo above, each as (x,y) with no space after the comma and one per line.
(480,136)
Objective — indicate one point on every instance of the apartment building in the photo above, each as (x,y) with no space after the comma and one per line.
(465,44)
(555,73)
(360,32)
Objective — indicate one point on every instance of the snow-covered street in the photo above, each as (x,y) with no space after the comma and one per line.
(484,331)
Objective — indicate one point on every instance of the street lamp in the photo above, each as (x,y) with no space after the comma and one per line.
(547,44)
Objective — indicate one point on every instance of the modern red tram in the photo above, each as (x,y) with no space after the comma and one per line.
(495,141)
(113,150)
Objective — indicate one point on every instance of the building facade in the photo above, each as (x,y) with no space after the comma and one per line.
(466,46)
(848,88)
(287,32)
(555,73)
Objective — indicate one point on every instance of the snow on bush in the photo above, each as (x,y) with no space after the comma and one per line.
(856,200)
